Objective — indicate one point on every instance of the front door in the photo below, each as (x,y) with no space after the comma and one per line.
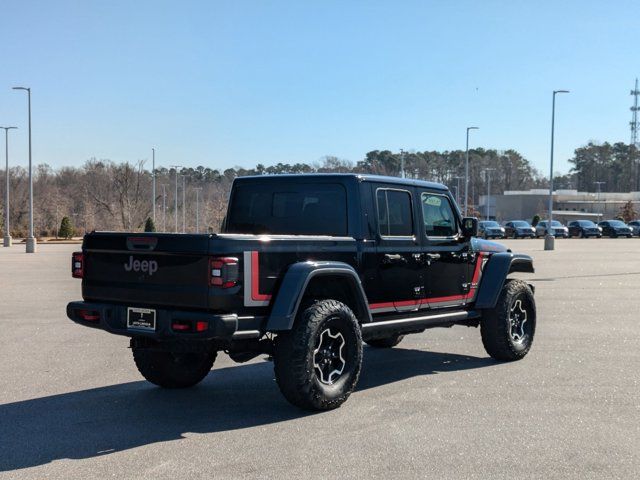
(447,261)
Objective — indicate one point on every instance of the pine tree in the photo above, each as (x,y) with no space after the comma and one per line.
(149,226)
(66,228)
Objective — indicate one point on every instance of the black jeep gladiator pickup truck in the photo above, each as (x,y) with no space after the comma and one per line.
(305,269)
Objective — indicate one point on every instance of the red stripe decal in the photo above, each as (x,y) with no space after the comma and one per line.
(451,298)
(255,280)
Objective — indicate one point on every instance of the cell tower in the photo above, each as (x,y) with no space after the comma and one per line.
(635,125)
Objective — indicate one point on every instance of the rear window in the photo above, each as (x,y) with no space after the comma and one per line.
(300,209)
(394,213)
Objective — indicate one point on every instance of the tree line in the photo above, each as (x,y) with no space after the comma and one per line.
(104,195)
(615,167)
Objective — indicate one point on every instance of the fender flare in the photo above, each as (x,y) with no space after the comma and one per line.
(294,284)
(495,273)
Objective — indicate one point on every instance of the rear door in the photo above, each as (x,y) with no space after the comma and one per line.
(399,285)
(446,259)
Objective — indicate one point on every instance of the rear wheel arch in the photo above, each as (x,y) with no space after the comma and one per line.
(341,287)
(307,281)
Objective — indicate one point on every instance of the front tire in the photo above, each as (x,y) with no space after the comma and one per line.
(172,370)
(508,329)
(387,342)
(317,364)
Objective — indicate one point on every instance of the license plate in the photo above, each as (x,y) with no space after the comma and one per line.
(141,318)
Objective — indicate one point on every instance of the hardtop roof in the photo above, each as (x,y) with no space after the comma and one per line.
(346,176)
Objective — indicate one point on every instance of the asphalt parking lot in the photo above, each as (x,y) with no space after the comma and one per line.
(72,404)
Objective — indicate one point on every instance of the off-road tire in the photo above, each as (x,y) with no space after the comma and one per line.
(495,327)
(172,370)
(294,353)
(387,342)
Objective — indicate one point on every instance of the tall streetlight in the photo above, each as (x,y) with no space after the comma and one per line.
(153,178)
(402,163)
(31,240)
(164,206)
(7,230)
(466,174)
(549,238)
(184,204)
(487,173)
(176,167)
(458,178)
(599,187)
(198,190)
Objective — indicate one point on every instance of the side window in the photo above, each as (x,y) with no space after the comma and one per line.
(439,220)
(394,213)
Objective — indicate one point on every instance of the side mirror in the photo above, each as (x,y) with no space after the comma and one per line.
(469,227)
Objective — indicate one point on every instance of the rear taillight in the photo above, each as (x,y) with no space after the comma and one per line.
(89,315)
(188,326)
(77,265)
(223,272)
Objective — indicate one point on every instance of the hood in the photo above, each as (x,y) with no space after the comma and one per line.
(482,245)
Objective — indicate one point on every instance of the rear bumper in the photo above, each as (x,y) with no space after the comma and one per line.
(113,319)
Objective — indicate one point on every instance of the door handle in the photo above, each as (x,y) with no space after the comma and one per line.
(433,256)
(394,258)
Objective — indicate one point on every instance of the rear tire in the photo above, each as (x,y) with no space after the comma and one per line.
(172,370)
(317,363)
(387,342)
(508,329)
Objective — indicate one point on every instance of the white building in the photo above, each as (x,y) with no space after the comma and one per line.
(567,204)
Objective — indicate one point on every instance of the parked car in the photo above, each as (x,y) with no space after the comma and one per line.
(490,229)
(584,229)
(635,226)
(616,228)
(306,269)
(557,229)
(519,229)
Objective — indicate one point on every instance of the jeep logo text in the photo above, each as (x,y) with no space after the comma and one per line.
(145,266)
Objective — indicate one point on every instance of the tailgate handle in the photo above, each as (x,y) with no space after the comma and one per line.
(141,243)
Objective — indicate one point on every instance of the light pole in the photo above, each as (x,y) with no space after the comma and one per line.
(198,189)
(487,173)
(549,238)
(164,206)
(153,177)
(458,178)
(184,204)
(598,186)
(7,230)
(176,167)
(31,240)
(466,174)
(402,163)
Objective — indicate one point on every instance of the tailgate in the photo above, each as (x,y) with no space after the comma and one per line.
(147,269)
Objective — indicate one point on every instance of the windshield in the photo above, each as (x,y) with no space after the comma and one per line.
(616,223)
(555,223)
(288,208)
(520,224)
(586,223)
(490,224)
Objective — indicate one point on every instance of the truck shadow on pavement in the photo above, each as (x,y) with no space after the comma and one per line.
(99,421)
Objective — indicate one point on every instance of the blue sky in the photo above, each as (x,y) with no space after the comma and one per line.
(224,83)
